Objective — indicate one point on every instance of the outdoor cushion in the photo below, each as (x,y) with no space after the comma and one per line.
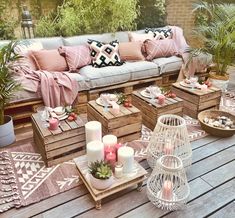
(105,76)
(131,51)
(76,56)
(50,60)
(160,33)
(169,64)
(50,42)
(139,37)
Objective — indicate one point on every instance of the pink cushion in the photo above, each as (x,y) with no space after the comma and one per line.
(160,48)
(131,51)
(50,60)
(139,37)
(76,56)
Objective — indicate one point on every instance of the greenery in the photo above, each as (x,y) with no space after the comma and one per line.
(7,83)
(152,13)
(81,16)
(100,170)
(7,22)
(217,32)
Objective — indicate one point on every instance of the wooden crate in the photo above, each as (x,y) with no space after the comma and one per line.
(65,143)
(126,125)
(151,111)
(196,100)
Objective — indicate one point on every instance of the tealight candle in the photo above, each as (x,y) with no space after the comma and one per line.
(93,131)
(95,151)
(167,190)
(109,140)
(53,123)
(111,159)
(161,99)
(168,147)
(118,170)
(126,157)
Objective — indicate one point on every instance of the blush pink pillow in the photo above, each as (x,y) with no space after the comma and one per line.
(50,60)
(139,37)
(160,48)
(76,56)
(131,51)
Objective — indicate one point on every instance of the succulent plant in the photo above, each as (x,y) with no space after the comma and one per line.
(100,170)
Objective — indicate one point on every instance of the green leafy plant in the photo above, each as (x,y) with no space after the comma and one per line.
(100,170)
(8,85)
(217,32)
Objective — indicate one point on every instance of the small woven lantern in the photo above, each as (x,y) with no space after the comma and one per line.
(170,137)
(167,187)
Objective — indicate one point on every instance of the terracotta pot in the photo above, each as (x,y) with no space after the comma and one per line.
(218,81)
(101,184)
(7,134)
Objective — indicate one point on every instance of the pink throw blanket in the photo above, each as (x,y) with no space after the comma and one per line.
(57,88)
(190,65)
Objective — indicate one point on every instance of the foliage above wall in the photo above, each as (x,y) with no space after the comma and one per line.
(82,16)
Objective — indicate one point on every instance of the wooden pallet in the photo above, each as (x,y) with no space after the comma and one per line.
(126,125)
(196,100)
(151,111)
(60,145)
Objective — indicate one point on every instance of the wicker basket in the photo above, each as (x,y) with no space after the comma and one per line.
(216,131)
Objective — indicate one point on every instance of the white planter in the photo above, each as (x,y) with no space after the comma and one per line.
(7,134)
(101,184)
(221,84)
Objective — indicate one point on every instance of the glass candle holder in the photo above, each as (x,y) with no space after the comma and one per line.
(118,170)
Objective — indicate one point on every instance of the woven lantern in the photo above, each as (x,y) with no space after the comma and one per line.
(170,137)
(167,187)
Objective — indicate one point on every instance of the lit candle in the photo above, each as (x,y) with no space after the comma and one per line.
(168,148)
(93,131)
(161,99)
(95,151)
(126,157)
(203,87)
(110,140)
(111,159)
(167,190)
(53,123)
(118,170)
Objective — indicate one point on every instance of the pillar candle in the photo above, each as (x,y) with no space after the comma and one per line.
(115,107)
(161,99)
(126,157)
(111,159)
(167,190)
(117,146)
(203,87)
(110,140)
(53,123)
(95,151)
(108,149)
(93,131)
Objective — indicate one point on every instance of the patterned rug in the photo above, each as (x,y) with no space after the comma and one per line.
(24,179)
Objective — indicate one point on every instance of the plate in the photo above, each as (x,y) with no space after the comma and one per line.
(99,102)
(146,94)
(182,83)
(59,117)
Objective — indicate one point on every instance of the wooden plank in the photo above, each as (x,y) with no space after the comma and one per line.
(209,103)
(100,109)
(130,137)
(43,131)
(203,141)
(64,126)
(227,211)
(72,124)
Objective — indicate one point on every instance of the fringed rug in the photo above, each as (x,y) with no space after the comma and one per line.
(24,179)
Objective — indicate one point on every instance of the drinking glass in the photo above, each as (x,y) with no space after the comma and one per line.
(105,98)
(193,80)
(43,115)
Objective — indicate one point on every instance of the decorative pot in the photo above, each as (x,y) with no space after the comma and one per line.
(220,82)
(101,184)
(7,134)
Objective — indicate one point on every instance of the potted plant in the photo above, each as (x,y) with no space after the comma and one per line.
(101,176)
(215,28)
(7,88)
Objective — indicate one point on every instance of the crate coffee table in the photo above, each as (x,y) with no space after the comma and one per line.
(60,145)
(126,125)
(136,178)
(196,100)
(152,110)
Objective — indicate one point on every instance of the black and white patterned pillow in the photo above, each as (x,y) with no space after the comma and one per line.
(103,55)
(160,33)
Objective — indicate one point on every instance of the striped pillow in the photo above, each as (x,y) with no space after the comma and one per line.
(76,56)
(160,48)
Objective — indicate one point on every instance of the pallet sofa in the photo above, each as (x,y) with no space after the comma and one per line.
(93,81)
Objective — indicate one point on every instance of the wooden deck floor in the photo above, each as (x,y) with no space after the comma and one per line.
(211,179)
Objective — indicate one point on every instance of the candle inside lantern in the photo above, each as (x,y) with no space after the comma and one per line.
(95,151)
(93,131)
(167,190)
(53,123)
(111,159)
(168,147)
(161,99)
(118,171)
(126,157)
(110,140)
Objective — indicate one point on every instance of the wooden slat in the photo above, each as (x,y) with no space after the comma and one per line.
(43,131)
(227,211)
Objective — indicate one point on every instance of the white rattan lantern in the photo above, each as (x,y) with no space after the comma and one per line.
(167,187)
(170,137)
